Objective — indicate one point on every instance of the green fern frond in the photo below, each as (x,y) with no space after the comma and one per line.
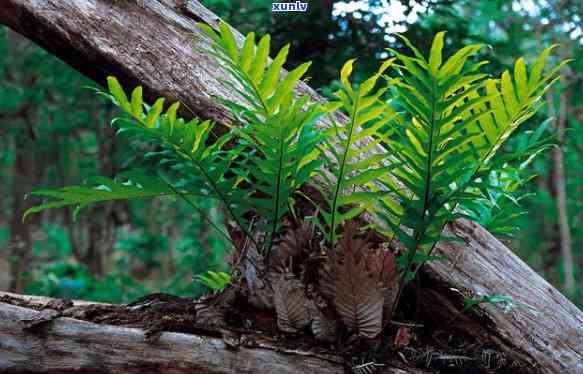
(128,185)
(203,167)
(278,127)
(431,141)
(214,280)
(349,152)
(453,121)
(497,186)
(515,99)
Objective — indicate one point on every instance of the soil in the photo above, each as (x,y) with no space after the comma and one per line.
(406,345)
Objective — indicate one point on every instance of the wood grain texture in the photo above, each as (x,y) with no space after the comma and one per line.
(548,339)
(146,42)
(150,42)
(70,345)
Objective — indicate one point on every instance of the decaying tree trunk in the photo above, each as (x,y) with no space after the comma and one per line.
(150,42)
(71,345)
(79,345)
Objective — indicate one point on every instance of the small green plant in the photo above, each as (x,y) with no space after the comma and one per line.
(214,280)
(420,147)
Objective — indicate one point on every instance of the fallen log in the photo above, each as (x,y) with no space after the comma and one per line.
(42,341)
(150,42)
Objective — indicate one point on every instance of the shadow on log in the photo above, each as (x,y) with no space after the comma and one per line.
(150,42)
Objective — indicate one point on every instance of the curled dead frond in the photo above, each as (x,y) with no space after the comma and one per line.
(298,253)
(293,248)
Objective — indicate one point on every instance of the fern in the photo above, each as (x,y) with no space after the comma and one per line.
(192,166)
(278,127)
(214,280)
(290,302)
(349,151)
(446,140)
(429,142)
(497,204)
(274,153)
(202,167)
(184,141)
(443,126)
(512,105)
(514,101)
(128,185)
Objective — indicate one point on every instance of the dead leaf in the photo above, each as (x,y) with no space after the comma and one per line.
(355,292)
(290,303)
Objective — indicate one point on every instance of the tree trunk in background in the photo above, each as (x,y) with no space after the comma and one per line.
(149,42)
(545,241)
(560,186)
(552,249)
(101,226)
(23,177)
(20,243)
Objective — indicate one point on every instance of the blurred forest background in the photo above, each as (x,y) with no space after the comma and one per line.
(54,132)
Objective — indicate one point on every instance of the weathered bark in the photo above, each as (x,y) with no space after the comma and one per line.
(70,345)
(549,337)
(150,42)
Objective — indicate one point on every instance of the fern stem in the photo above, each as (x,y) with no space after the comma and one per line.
(340,178)
(201,213)
(222,197)
(277,192)
(428,174)
(421,231)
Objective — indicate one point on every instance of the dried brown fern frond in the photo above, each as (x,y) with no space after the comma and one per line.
(298,253)
(324,321)
(382,266)
(291,303)
(360,282)
(294,245)
(355,292)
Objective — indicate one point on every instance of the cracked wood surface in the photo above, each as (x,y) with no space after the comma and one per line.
(150,42)
(68,345)
(72,345)
(548,339)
